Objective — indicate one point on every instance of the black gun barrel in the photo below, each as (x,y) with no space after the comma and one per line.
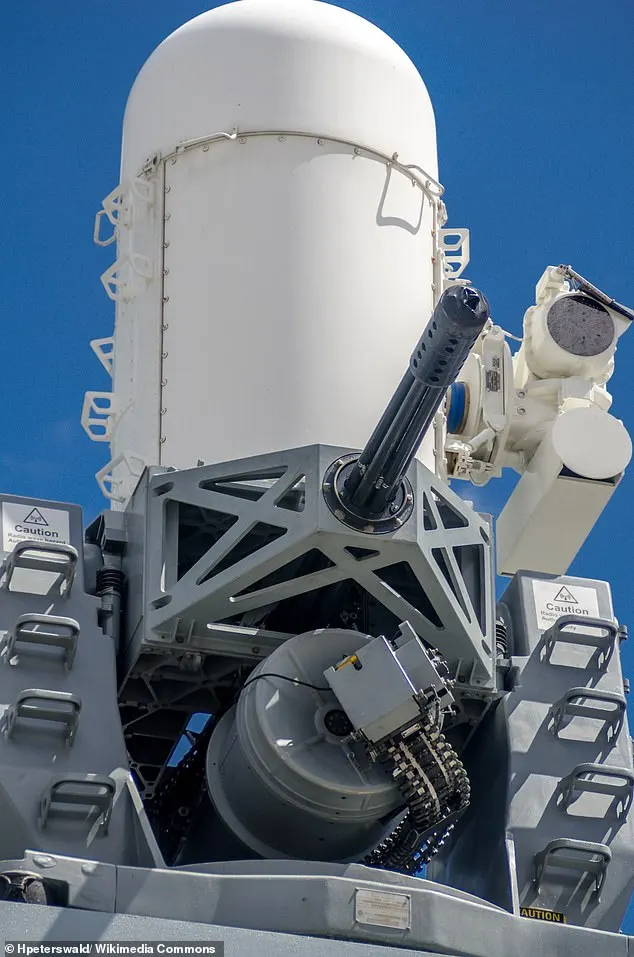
(456,323)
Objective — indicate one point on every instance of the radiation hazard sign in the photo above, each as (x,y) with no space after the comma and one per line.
(552,600)
(38,524)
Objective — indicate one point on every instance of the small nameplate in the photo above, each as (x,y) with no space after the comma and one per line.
(382,909)
(536,913)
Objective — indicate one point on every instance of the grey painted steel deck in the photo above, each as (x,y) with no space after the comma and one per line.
(442,924)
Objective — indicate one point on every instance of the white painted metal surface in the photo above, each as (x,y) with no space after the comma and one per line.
(544,413)
(591,443)
(566,486)
(540,356)
(274,237)
(549,515)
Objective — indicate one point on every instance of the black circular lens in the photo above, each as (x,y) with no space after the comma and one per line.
(338,723)
(580,325)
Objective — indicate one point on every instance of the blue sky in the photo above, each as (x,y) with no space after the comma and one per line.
(534,108)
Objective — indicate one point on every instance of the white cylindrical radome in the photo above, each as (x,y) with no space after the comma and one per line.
(273,278)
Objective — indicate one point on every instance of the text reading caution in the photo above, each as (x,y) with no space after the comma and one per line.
(43,525)
(552,600)
(536,913)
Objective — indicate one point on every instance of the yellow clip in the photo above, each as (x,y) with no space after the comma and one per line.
(347,661)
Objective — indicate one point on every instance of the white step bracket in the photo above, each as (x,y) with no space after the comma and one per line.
(454,247)
(131,465)
(97,415)
(104,350)
(113,208)
(116,280)
(118,207)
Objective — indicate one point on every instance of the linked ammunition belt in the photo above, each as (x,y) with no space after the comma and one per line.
(436,790)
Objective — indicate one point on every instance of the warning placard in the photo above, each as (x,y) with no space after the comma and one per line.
(43,525)
(536,913)
(552,600)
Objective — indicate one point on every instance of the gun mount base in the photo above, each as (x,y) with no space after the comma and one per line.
(337,500)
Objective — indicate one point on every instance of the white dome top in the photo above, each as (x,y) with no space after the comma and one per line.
(233,66)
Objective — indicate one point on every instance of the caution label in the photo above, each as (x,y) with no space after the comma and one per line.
(552,600)
(536,913)
(43,525)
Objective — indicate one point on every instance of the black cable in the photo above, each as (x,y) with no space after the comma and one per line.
(295,681)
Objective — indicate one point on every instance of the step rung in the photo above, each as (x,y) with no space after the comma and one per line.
(592,859)
(89,791)
(600,633)
(37,704)
(576,782)
(612,717)
(54,557)
(41,634)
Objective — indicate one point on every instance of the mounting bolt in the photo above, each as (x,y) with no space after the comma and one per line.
(242,140)
(521,394)
(521,411)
